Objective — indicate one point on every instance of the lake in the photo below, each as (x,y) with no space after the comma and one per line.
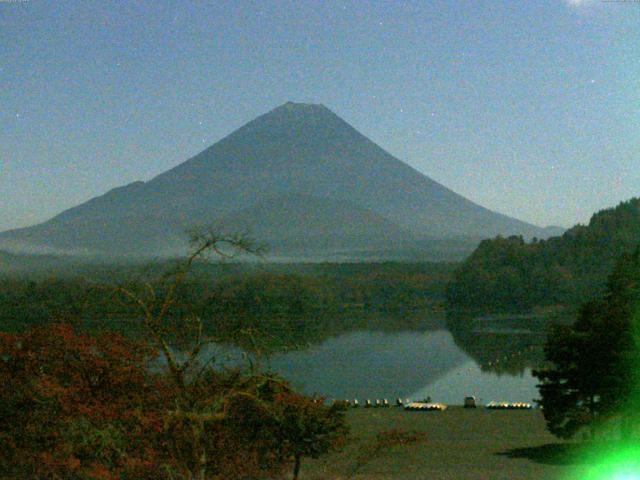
(374,364)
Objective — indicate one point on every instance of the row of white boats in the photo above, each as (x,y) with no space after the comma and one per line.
(428,405)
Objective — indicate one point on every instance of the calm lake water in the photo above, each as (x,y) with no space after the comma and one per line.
(366,364)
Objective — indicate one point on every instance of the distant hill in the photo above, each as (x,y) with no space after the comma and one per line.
(509,274)
(299,177)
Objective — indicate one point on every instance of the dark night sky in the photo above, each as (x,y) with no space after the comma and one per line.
(530,108)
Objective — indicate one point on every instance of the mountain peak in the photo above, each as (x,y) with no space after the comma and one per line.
(295,122)
(307,107)
(296,110)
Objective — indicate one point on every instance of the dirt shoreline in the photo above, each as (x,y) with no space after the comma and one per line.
(457,444)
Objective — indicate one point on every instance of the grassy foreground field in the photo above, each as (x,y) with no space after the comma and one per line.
(456,444)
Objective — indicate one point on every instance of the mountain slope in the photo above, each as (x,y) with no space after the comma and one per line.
(296,149)
(302,223)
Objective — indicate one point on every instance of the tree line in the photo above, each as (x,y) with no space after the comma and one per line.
(289,304)
(512,275)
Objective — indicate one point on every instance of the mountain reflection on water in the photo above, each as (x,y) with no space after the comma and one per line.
(443,360)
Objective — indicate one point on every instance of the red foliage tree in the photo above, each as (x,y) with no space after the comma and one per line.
(77,406)
(307,427)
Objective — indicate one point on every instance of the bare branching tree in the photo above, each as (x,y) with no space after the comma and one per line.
(155,300)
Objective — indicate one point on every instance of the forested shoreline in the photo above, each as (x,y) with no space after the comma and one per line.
(510,275)
(288,304)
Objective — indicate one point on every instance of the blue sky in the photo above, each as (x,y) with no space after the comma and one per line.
(530,108)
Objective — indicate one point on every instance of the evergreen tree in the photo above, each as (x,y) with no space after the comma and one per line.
(593,373)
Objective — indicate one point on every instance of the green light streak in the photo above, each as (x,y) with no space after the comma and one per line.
(609,461)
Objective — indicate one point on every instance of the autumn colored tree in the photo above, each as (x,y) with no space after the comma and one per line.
(77,406)
(229,416)
(265,426)
(307,427)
